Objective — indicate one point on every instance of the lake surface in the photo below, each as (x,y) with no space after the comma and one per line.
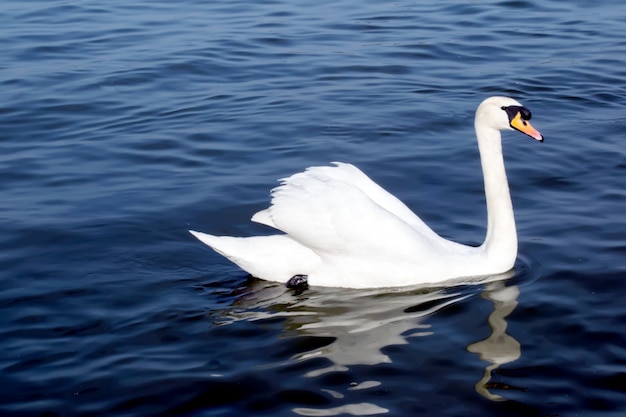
(124,124)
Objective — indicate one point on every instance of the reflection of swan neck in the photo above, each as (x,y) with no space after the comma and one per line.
(499,348)
(501,239)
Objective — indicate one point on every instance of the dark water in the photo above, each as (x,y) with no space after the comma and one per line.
(123,124)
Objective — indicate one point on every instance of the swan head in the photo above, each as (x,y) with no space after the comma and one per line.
(505,113)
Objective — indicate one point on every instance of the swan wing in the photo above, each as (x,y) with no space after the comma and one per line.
(349,174)
(339,211)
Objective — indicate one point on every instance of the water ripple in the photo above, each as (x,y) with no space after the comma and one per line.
(125,124)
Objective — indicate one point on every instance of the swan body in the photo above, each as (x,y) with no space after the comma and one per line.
(341,229)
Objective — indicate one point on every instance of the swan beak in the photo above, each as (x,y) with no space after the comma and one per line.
(525,127)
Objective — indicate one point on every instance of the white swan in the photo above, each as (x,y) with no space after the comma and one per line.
(341,229)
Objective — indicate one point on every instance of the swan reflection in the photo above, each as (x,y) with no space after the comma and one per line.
(360,324)
(499,348)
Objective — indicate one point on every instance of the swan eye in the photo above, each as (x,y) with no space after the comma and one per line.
(513,111)
(525,113)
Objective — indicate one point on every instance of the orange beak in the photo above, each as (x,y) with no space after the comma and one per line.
(525,127)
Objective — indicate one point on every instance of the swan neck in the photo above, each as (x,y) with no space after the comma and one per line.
(500,242)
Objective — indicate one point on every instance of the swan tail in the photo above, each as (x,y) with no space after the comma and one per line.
(273,258)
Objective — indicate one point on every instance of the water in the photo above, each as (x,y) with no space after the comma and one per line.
(125,124)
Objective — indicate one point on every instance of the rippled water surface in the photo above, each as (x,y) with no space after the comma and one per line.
(124,124)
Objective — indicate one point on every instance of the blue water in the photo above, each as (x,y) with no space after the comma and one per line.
(124,124)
